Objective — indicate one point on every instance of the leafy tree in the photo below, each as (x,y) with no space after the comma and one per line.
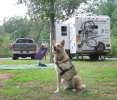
(110,8)
(114,18)
(40,30)
(1,41)
(100,7)
(107,8)
(89,7)
(1,29)
(114,24)
(18,27)
(114,46)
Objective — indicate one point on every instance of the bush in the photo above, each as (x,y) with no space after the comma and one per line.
(5,52)
(1,41)
(4,46)
(114,46)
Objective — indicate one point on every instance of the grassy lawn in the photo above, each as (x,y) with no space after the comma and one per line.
(39,84)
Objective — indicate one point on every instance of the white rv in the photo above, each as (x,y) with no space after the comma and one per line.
(85,35)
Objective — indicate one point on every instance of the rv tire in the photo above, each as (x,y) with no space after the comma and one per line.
(94,57)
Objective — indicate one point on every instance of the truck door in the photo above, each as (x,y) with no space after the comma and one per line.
(72,39)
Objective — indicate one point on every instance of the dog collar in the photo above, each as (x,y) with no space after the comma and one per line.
(63,61)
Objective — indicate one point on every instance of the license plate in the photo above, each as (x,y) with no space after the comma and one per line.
(31,52)
(23,52)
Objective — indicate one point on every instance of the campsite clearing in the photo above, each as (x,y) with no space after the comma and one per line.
(40,84)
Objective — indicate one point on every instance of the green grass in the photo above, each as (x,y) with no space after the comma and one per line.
(21,61)
(16,62)
(39,84)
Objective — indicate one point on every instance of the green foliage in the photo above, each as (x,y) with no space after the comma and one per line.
(67,7)
(40,30)
(18,27)
(1,41)
(1,35)
(107,8)
(114,15)
(4,45)
(114,30)
(45,8)
(91,7)
(1,30)
(114,46)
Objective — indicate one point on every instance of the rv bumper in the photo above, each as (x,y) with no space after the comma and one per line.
(89,52)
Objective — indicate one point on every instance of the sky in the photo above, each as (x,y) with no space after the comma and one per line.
(9,8)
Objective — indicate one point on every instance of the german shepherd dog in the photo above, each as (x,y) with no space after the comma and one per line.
(66,73)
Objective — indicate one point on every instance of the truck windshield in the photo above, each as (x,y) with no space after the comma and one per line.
(24,41)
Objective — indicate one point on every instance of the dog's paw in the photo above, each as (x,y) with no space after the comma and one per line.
(57,90)
(83,86)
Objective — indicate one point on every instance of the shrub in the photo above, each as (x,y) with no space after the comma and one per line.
(114,46)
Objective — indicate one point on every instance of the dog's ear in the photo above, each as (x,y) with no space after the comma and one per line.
(63,43)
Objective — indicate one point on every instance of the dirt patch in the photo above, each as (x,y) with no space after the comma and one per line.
(5,76)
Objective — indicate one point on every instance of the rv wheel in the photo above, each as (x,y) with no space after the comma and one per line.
(94,57)
(100,47)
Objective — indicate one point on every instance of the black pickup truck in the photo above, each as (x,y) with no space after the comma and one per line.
(24,47)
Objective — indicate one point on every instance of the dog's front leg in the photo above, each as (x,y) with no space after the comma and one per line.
(58,83)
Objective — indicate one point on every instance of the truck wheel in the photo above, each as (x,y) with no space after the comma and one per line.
(102,58)
(33,57)
(94,57)
(14,57)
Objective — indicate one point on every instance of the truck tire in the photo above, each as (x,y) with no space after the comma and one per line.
(14,57)
(33,57)
(94,57)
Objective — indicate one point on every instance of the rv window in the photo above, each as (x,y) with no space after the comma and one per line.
(63,30)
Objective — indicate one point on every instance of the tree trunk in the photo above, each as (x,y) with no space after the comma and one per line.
(52,28)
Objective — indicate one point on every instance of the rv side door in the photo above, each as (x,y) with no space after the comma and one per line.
(72,39)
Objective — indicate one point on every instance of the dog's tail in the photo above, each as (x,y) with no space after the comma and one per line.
(78,83)
(83,86)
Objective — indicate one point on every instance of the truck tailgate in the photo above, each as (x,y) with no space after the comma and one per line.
(24,47)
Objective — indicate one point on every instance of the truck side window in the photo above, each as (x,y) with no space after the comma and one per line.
(63,30)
